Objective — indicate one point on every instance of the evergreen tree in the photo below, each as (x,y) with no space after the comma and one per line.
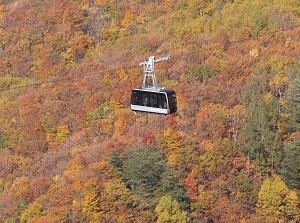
(143,169)
(293,104)
(148,173)
(290,167)
(171,185)
(263,147)
(116,162)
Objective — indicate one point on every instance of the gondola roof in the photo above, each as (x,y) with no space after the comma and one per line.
(167,91)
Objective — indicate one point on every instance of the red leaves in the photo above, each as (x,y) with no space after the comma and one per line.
(201,114)
(191,186)
(149,139)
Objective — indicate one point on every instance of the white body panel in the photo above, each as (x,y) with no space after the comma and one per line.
(149,109)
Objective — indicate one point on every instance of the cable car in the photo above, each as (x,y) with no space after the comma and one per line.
(150,97)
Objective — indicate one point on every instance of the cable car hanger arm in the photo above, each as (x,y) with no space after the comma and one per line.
(149,71)
(155,60)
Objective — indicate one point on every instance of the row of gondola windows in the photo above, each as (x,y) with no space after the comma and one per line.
(149,99)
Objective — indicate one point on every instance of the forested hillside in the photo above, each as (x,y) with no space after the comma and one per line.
(71,150)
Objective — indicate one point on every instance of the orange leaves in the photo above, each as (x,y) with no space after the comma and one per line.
(201,114)
(78,46)
(182,97)
(211,122)
(102,2)
(2,12)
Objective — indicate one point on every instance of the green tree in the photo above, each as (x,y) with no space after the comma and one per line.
(290,167)
(150,176)
(168,211)
(116,162)
(143,170)
(263,147)
(292,99)
(171,185)
(203,72)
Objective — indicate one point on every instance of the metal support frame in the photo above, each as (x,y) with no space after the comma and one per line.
(149,72)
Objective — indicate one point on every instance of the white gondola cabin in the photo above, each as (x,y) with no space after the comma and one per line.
(151,98)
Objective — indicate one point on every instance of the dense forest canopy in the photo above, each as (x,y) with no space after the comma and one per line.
(72,150)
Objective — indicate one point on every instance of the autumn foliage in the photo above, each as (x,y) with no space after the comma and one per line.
(72,151)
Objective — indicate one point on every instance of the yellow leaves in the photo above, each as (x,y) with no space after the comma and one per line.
(276,203)
(205,199)
(173,139)
(107,199)
(209,158)
(292,209)
(236,114)
(55,90)
(77,47)
(130,23)
(278,83)
(282,126)
(128,18)
(168,210)
(123,74)
(32,212)
(120,125)
(165,3)
(3,101)
(115,190)
(14,120)
(74,167)
(291,44)
(91,200)
(182,97)
(268,97)
(254,53)
(107,80)
(115,102)
(172,142)
(62,133)
(77,151)
(69,55)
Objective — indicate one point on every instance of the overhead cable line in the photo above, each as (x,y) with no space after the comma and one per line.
(64,79)
(238,41)
(133,66)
